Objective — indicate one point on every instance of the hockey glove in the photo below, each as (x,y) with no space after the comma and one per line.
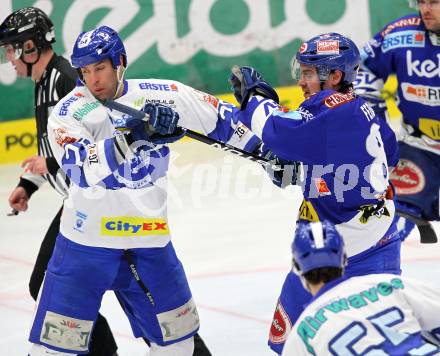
(160,128)
(282,172)
(246,81)
(163,124)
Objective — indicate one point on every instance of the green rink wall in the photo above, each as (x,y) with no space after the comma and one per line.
(192,41)
(197,41)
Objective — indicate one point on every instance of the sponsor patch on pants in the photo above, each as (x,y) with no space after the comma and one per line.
(65,332)
(179,322)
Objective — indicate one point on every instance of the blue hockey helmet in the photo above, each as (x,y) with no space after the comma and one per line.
(317,245)
(97,45)
(327,52)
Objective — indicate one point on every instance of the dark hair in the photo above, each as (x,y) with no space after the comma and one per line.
(323,274)
(344,86)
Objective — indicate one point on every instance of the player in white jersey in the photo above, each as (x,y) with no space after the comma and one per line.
(378,314)
(114,224)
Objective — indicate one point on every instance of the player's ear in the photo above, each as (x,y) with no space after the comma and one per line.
(122,61)
(335,77)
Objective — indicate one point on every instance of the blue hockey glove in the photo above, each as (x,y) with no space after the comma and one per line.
(285,173)
(246,81)
(163,119)
(163,124)
(160,128)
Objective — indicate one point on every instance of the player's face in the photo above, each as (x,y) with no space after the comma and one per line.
(100,78)
(309,80)
(430,12)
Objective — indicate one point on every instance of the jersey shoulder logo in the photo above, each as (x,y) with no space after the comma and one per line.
(337,99)
(406,22)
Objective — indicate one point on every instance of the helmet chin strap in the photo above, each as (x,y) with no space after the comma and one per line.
(29,65)
(120,71)
(28,69)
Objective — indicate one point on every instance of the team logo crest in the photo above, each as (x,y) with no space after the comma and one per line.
(85,39)
(61,137)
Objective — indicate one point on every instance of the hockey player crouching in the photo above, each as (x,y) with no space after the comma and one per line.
(380,314)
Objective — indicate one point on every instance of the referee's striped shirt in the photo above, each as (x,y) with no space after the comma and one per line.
(57,81)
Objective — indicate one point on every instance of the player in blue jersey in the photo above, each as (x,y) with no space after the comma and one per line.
(345,151)
(380,314)
(409,47)
(114,232)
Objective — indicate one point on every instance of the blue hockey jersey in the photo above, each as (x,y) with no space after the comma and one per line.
(405,48)
(345,150)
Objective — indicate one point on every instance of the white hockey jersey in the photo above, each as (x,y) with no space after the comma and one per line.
(125,205)
(379,314)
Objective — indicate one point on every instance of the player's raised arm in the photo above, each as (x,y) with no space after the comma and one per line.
(284,132)
(88,162)
(206,114)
